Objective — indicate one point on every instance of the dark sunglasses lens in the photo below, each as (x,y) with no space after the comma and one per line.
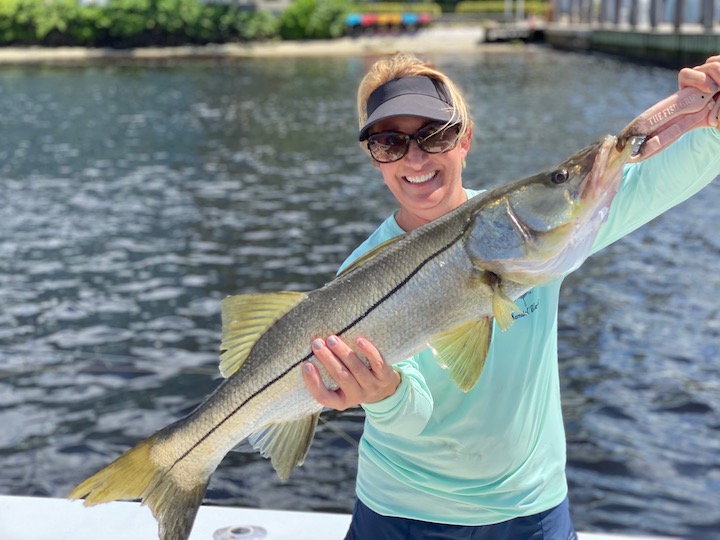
(387,147)
(390,146)
(438,139)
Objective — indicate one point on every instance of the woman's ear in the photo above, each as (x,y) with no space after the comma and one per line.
(465,143)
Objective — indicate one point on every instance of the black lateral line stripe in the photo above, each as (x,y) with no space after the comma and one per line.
(400,285)
(307,357)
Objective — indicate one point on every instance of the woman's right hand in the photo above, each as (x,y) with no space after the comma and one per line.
(357,383)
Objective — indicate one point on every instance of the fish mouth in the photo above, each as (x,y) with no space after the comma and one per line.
(422,178)
(604,180)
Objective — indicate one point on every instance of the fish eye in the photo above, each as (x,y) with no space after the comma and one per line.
(560,176)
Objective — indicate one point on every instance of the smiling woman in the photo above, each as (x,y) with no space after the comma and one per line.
(418,132)
(425,184)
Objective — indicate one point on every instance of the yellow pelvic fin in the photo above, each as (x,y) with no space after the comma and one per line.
(503,308)
(463,350)
(286,444)
(371,254)
(134,476)
(245,318)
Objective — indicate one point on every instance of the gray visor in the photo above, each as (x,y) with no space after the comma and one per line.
(408,96)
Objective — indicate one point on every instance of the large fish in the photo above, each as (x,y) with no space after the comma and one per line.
(441,285)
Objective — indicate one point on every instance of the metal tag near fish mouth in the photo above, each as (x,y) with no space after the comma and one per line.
(637,143)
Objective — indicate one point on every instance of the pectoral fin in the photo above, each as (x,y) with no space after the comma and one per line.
(503,308)
(245,318)
(286,444)
(463,350)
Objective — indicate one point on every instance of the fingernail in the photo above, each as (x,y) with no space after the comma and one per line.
(332,341)
(361,343)
(714,86)
(306,368)
(317,344)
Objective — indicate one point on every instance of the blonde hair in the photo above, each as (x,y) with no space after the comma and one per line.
(401,65)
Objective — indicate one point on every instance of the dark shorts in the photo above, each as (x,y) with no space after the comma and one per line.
(553,524)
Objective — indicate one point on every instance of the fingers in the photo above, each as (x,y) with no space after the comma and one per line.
(358,382)
(705,77)
(381,370)
(342,363)
(714,117)
(318,390)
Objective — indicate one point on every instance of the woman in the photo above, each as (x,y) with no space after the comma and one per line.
(435,462)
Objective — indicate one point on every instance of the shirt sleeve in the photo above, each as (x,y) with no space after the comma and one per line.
(408,410)
(655,185)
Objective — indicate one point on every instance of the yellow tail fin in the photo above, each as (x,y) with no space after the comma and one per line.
(134,476)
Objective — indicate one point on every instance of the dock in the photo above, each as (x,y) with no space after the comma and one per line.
(674,34)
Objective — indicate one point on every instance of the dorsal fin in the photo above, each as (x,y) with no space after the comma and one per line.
(245,318)
(286,443)
(463,350)
(371,254)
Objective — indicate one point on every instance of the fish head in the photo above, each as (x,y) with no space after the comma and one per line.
(541,228)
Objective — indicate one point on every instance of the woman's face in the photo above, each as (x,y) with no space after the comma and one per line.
(426,186)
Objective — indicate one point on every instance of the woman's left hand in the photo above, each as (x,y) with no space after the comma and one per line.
(705,77)
(695,105)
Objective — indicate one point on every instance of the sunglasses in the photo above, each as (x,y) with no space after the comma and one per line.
(433,138)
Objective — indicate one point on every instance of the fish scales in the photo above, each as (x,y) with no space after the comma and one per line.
(412,304)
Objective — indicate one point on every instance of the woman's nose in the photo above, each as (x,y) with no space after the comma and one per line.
(416,154)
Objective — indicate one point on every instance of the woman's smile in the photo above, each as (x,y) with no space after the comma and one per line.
(420,179)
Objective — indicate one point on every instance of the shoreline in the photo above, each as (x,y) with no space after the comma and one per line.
(435,40)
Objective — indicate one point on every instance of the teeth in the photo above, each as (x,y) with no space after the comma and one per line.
(420,179)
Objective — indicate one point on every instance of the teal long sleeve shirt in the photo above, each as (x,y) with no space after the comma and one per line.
(433,453)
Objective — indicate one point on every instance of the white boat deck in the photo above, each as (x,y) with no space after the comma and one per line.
(38,518)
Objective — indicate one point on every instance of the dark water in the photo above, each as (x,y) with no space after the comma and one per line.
(135,197)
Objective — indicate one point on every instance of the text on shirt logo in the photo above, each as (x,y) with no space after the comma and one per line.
(528,308)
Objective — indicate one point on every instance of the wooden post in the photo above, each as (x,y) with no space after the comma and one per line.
(679,14)
(604,8)
(633,13)
(607,18)
(618,6)
(590,12)
(708,15)
(556,10)
(656,8)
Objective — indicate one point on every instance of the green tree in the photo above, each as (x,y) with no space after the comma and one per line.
(313,19)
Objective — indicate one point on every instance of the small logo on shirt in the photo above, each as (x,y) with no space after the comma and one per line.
(528,303)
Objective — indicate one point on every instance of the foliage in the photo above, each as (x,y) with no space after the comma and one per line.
(313,19)
(137,23)
(396,7)
(498,6)
(129,23)
(30,20)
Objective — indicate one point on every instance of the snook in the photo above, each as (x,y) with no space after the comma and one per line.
(441,285)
